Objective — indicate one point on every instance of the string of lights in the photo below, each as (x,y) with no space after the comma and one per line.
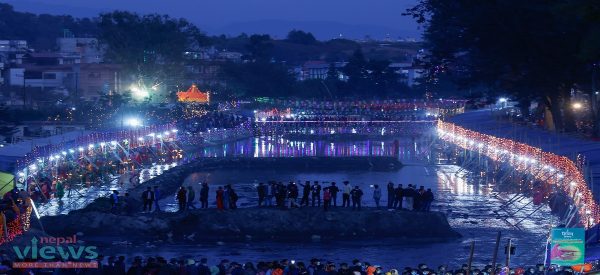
(558,171)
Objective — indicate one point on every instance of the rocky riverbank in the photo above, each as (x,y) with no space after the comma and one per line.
(255,224)
(96,221)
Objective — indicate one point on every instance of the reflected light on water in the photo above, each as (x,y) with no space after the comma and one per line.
(260,147)
(458,184)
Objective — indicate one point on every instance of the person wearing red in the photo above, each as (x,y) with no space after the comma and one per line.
(220,198)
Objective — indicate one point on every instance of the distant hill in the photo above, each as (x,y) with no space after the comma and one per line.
(323,30)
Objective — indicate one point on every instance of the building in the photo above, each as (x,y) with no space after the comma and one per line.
(229,56)
(314,70)
(407,72)
(193,95)
(12,51)
(82,81)
(318,70)
(80,50)
(90,81)
(34,129)
(11,54)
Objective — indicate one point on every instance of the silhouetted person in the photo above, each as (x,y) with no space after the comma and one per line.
(376,195)
(181,198)
(399,197)
(204,195)
(391,195)
(316,194)
(428,199)
(356,194)
(148,199)
(262,191)
(346,194)
(305,193)
(327,198)
(333,189)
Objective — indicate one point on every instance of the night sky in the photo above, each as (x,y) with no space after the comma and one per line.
(325,18)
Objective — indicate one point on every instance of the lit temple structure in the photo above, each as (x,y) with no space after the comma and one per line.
(193,94)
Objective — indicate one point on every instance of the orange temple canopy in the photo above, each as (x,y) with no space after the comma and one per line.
(193,94)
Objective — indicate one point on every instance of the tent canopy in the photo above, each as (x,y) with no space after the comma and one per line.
(7,183)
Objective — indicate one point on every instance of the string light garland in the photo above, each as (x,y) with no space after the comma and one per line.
(558,171)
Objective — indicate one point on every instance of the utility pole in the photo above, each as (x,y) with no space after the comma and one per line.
(496,253)
(471,257)
(508,256)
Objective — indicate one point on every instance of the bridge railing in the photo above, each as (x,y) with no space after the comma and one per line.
(558,171)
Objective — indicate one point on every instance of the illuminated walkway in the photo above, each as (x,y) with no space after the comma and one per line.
(558,160)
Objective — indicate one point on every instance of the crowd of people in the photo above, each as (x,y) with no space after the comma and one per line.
(189,266)
(212,120)
(15,210)
(291,195)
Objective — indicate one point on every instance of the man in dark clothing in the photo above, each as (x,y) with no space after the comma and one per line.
(292,194)
(316,193)
(398,197)
(262,193)
(356,194)
(333,189)
(120,266)
(223,267)
(420,199)
(136,266)
(305,193)
(344,270)
(114,201)
(233,197)
(428,199)
(391,192)
(148,199)
(203,268)
(181,198)
(204,195)
(281,194)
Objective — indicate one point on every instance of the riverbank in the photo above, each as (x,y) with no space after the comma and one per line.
(301,224)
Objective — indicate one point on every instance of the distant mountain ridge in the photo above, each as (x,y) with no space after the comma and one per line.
(322,30)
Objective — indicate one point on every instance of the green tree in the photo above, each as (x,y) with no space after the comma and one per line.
(259,46)
(301,37)
(150,46)
(531,49)
(258,78)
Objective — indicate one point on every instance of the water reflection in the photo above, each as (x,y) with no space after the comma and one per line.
(266,146)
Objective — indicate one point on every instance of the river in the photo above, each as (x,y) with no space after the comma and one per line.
(474,208)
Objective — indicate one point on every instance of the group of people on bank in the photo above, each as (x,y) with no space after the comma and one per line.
(293,195)
(313,194)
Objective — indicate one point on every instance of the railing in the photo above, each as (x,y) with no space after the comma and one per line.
(380,128)
(558,171)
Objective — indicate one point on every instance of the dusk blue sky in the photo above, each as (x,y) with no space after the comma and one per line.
(325,18)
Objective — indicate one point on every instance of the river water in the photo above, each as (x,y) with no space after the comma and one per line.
(474,208)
